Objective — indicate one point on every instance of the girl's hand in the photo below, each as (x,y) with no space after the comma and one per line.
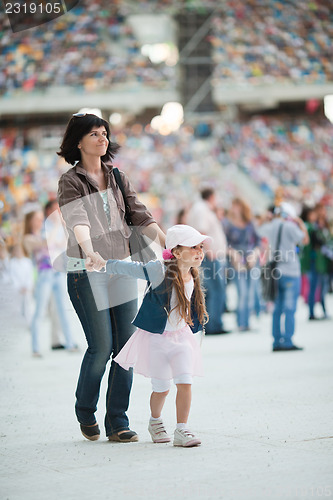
(94,262)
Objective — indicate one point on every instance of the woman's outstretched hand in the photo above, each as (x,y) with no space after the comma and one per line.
(94,262)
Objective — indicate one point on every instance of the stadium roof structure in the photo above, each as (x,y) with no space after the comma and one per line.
(134,98)
(268,95)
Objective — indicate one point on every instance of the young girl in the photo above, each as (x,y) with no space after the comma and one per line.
(163,347)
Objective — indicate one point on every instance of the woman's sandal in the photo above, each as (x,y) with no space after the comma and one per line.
(90,432)
(124,437)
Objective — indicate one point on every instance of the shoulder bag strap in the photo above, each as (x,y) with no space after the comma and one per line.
(117,177)
(279,237)
(146,274)
(278,240)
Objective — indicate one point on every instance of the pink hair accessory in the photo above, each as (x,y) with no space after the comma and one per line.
(167,254)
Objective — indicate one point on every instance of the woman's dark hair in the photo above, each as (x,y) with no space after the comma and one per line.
(79,126)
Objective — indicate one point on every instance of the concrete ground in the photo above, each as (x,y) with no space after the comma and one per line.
(265,420)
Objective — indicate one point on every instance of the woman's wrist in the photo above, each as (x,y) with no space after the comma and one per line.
(95,262)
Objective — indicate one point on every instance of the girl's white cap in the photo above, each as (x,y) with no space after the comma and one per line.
(184,235)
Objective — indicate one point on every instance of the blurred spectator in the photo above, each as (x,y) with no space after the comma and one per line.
(309,217)
(48,281)
(57,244)
(244,250)
(22,276)
(293,232)
(328,251)
(5,278)
(202,216)
(182,216)
(318,266)
(56,236)
(56,330)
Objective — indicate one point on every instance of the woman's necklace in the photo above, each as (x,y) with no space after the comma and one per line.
(99,178)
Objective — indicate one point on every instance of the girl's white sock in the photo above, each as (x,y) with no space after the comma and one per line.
(181,426)
(153,418)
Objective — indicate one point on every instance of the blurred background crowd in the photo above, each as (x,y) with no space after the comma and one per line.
(90,48)
(93,46)
(211,57)
(290,153)
(252,45)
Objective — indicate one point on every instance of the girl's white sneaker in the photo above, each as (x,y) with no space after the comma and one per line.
(158,432)
(185,438)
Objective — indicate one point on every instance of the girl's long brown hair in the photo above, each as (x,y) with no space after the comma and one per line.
(183,304)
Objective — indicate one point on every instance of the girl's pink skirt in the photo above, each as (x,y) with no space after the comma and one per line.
(162,356)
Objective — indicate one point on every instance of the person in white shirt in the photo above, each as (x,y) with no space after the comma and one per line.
(202,216)
(22,276)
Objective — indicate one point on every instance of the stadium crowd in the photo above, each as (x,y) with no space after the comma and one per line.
(276,42)
(293,152)
(94,47)
(91,48)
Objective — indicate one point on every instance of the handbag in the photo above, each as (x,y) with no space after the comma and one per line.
(139,244)
(269,276)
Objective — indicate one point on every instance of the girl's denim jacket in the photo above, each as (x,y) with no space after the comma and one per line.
(153,313)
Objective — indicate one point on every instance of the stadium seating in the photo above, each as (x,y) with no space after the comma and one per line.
(278,42)
(90,48)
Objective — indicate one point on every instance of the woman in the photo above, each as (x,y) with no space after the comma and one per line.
(319,264)
(309,217)
(48,282)
(94,212)
(244,251)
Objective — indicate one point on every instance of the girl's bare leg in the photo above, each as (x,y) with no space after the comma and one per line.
(183,402)
(157,400)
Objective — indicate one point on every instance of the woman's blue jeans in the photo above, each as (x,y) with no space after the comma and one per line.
(107,328)
(285,303)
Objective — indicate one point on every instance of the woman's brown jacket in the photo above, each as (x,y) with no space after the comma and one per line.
(81,204)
